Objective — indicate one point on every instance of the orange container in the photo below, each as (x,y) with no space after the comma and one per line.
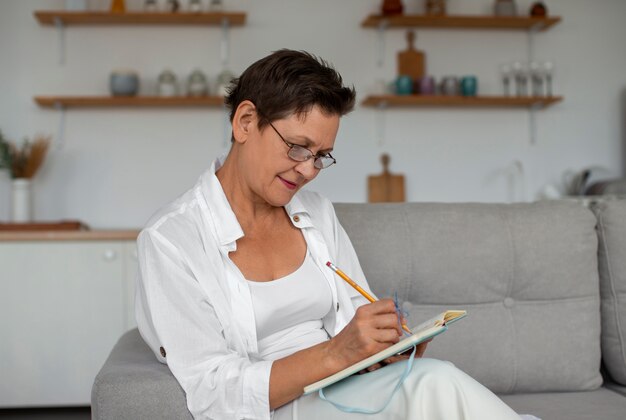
(118,6)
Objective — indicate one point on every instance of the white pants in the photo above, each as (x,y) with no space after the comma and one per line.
(434,390)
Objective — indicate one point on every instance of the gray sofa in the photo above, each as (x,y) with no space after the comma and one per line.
(544,285)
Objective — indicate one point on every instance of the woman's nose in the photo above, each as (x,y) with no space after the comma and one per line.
(307,169)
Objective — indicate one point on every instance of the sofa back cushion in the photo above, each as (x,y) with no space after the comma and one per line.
(612,267)
(526,273)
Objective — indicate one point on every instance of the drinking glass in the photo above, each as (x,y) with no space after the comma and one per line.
(537,78)
(548,71)
(521,78)
(506,73)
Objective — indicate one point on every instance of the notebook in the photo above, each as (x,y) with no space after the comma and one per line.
(421,333)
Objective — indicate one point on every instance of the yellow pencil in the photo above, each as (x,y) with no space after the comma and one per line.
(358,288)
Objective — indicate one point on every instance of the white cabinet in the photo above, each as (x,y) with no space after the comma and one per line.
(63,305)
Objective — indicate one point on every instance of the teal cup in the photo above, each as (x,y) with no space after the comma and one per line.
(404,85)
(469,86)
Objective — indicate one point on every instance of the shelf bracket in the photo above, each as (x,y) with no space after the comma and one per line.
(58,23)
(225,44)
(382,27)
(60,143)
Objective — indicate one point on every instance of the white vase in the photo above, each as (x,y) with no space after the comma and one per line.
(22,201)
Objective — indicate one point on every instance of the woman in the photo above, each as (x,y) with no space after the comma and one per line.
(233,293)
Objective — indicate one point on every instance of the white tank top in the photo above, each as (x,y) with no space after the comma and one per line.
(289,311)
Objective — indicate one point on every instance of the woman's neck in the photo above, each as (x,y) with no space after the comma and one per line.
(249,208)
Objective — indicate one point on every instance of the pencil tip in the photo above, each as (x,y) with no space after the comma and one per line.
(328,263)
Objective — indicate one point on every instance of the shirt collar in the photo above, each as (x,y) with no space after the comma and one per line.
(298,214)
(227,226)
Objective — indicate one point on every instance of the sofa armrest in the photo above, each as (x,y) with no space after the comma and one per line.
(132,384)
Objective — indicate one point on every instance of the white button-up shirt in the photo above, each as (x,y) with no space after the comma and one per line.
(193,305)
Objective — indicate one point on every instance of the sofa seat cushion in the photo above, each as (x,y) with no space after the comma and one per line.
(526,274)
(591,405)
(620,389)
(132,384)
(611,216)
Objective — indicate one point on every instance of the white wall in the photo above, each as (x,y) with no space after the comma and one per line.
(116,166)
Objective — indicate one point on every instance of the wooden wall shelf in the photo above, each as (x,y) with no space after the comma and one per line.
(128,101)
(139,18)
(462,22)
(460,101)
(79,235)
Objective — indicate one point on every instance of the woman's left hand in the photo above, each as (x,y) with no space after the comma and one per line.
(419,352)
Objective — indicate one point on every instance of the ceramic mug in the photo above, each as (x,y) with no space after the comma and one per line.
(123,83)
(404,85)
(450,85)
(469,86)
(427,86)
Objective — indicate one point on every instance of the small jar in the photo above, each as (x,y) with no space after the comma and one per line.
(195,6)
(538,9)
(223,82)
(392,7)
(197,84)
(436,7)
(167,84)
(124,83)
(172,6)
(118,6)
(150,6)
(216,6)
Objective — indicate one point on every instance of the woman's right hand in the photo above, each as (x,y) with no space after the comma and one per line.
(373,328)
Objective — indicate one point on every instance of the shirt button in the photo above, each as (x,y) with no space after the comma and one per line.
(162,350)
(509,302)
(296,218)
(337,306)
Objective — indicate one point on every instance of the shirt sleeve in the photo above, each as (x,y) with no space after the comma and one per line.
(219,383)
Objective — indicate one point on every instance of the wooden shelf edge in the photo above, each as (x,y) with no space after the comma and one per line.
(87,235)
(374,100)
(128,101)
(50,17)
(459,101)
(462,21)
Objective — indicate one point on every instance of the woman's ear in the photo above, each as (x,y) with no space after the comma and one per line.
(244,121)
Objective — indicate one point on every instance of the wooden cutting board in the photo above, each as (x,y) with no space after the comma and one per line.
(411,62)
(386,187)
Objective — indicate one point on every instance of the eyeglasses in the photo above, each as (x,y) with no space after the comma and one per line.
(302,154)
